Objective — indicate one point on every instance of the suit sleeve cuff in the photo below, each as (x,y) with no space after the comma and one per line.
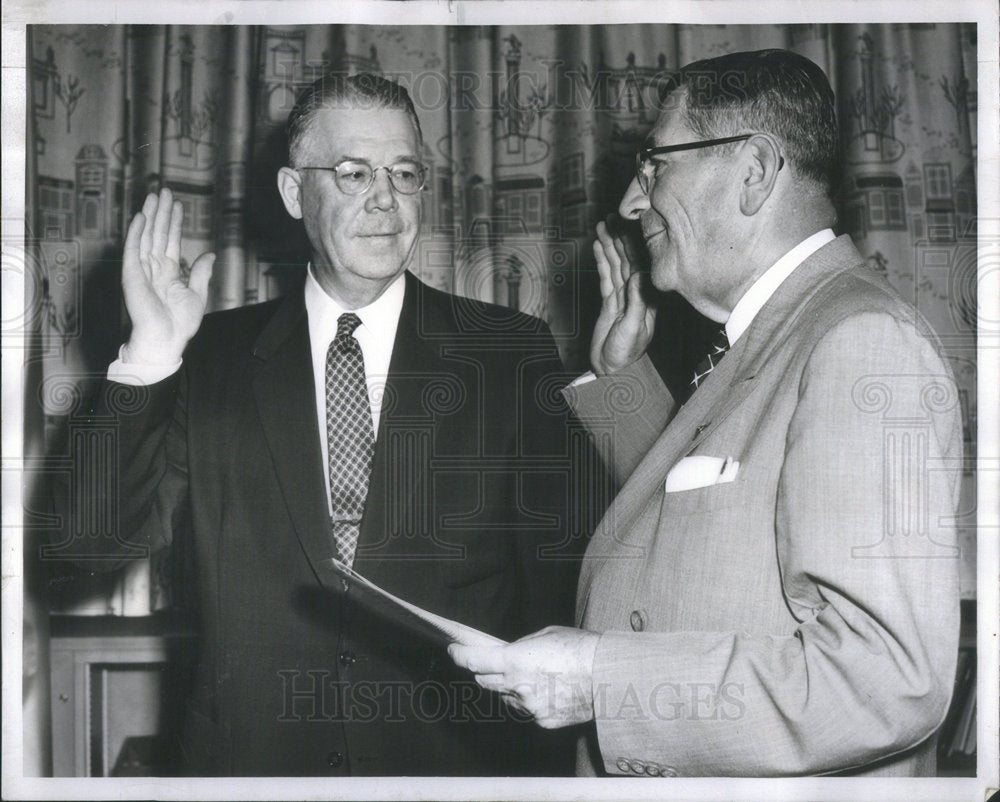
(624,391)
(630,713)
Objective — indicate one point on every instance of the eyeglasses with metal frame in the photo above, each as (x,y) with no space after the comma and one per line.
(356,177)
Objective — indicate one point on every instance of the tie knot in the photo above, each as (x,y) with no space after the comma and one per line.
(346,324)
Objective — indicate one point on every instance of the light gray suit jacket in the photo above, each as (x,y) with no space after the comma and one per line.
(803,618)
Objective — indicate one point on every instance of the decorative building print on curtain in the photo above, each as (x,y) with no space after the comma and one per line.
(529,137)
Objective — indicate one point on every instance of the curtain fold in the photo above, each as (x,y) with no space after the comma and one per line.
(235,281)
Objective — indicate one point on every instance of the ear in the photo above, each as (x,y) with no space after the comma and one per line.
(290,189)
(763,163)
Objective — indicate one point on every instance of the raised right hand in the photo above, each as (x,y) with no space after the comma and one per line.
(624,327)
(166,306)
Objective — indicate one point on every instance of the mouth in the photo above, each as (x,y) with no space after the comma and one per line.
(379,234)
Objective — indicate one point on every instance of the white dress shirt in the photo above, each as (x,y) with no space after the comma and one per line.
(760,291)
(763,288)
(375,335)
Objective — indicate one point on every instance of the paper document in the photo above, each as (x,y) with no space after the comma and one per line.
(434,626)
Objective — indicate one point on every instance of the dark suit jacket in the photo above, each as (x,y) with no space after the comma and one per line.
(470,479)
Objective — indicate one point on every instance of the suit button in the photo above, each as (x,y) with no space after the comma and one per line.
(653,770)
(637,620)
(347,658)
(623,764)
(668,771)
(335,760)
(638,767)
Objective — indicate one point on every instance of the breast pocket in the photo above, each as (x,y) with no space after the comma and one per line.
(703,499)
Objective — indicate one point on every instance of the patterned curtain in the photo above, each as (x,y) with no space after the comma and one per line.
(530,133)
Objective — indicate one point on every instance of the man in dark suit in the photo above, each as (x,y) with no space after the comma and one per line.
(366,417)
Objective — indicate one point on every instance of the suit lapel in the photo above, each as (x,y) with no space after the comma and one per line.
(284,391)
(782,309)
(769,328)
(728,386)
(723,393)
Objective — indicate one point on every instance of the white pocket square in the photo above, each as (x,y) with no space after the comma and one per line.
(700,471)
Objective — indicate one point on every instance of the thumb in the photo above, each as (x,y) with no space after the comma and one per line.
(201,272)
(635,307)
(478,659)
(550,630)
(459,654)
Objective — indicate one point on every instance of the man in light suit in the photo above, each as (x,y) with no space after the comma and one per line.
(774,590)
(445,475)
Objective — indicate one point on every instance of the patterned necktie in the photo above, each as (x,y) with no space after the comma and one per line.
(720,344)
(349,434)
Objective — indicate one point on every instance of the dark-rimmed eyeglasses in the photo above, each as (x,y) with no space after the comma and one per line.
(643,162)
(355,177)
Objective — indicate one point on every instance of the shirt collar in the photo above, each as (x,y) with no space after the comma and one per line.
(379,319)
(763,288)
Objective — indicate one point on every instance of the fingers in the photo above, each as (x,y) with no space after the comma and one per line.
(511,696)
(639,315)
(624,263)
(149,208)
(636,310)
(617,251)
(154,238)
(201,272)
(603,268)
(549,630)
(132,239)
(487,665)
(174,232)
(515,704)
(478,660)
(612,256)
(492,682)
(161,222)
(650,318)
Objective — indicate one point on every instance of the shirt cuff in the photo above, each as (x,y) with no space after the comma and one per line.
(139,375)
(589,376)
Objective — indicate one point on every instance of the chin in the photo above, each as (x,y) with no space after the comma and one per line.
(663,277)
(381,269)
(375,249)
(377,257)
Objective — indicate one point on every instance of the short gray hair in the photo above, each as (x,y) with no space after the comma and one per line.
(339,90)
(775,92)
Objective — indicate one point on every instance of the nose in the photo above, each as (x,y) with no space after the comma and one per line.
(381,195)
(634,202)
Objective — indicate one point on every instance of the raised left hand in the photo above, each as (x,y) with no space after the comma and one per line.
(547,675)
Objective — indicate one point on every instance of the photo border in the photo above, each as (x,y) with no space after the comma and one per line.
(425,12)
